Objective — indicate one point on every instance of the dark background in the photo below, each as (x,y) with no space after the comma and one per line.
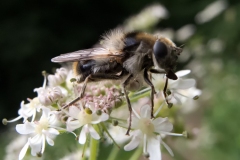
(33,32)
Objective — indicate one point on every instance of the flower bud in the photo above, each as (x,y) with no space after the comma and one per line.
(39,154)
(168,92)
(99,112)
(58,78)
(195,97)
(73,80)
(49,95)
(170,105)
(146,155)
(118,103)
(64,119)
(115,122)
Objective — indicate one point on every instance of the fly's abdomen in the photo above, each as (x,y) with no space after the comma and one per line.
(83,68)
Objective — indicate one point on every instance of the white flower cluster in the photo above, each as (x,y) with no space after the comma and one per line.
(45,117)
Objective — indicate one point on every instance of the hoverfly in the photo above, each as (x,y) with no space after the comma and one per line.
(125,56)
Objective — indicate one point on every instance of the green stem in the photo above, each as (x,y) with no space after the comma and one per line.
(83,158)
(113,153)
(105,129)
(94,145)
(135,98)
(136,154)
(84,148)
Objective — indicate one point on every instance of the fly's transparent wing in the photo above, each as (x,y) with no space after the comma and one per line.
(93,53)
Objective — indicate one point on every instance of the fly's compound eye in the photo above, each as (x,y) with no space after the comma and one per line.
(160,50)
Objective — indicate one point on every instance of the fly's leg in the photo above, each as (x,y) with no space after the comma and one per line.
(128,102)
(166,82)
(148,81)
(91,77)
(165,91)
(157,71)
(81,93)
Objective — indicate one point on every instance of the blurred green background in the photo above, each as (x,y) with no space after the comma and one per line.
(33,32)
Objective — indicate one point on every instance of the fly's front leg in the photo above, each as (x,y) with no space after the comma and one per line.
(148,81)
(81,93)
(166,83)
(157,71)
(84,86)
(165,92)
(128,102)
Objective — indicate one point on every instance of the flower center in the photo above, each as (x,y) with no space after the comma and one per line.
(84,117)
(146,126)
(41,125)
(34,102)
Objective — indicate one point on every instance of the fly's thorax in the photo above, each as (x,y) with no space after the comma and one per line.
(138,45)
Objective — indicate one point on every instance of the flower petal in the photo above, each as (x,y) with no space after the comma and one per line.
(26,110)
(25,128)
(104,117)
(53,119)
(134,142)
(145,111)
(93,132)
(36,144)
(135,122)
(74,111)
(50,141)
(176,99)
(45,112)
(183,84)
(83,136)
(23,151)
(73,124)
(161,125)
(97,119)
(43,144)
(37,139)
(182,73)
(158,121)
(53,131)
(153,148)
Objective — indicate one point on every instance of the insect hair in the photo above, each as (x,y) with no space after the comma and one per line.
(113,40)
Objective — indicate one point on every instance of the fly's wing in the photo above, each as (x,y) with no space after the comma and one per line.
(87,54)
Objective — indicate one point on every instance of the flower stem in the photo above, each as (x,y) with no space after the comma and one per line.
(113,153)
(105,129)
(136,97)
(136,154)
(94,145)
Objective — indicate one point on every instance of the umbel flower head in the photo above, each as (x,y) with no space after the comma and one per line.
(80,117)
(148,131)
(45,116)
(40,132)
